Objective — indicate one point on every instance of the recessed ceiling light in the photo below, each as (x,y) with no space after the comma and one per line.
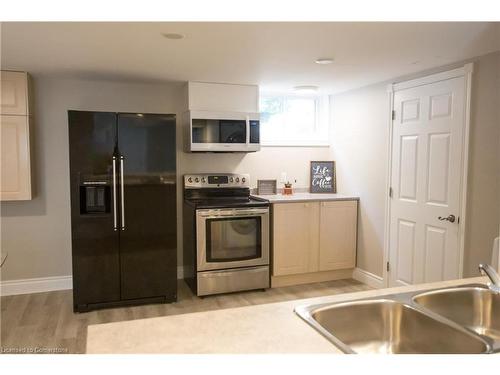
(173,36)
(305,89)
(324,61)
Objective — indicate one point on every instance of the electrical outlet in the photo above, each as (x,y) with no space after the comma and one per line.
(283,177)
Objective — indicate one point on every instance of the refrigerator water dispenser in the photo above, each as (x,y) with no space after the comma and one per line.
(95,199)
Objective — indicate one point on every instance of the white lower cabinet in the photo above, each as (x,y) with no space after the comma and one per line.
(337,235)
(295,233)
(313,237)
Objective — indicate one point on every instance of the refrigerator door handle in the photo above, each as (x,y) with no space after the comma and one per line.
(115,226)
(122,193)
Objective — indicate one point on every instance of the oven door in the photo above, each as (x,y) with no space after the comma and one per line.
(232,238)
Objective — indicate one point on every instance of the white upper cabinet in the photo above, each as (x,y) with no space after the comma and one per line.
(15,120)
(14,96)
(15,158)
(221,97)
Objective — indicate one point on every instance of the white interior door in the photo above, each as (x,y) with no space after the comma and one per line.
(426,176)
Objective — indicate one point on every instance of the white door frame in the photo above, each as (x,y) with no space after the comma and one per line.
(466,72)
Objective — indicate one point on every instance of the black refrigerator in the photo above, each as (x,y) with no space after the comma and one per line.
(123,208)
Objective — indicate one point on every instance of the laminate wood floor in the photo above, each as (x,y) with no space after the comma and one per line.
(45,322)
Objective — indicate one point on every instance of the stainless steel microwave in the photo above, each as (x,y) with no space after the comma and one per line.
(208,131)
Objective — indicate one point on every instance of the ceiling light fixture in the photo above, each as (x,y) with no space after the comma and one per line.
(305,89)
(173,36)
(324,61)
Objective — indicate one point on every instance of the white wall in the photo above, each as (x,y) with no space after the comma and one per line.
(359,140)
(265,164)
(483,216)
(37,234)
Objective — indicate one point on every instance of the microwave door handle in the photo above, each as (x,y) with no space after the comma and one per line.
(248,129)
(115,227)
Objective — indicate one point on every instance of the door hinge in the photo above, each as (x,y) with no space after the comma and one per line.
(393,114)
(390,192)
(387,267)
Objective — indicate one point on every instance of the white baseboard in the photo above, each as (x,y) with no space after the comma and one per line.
(38,285)
(368,278)
(46,284)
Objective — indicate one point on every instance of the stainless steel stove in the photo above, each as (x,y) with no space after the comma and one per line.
(226,234)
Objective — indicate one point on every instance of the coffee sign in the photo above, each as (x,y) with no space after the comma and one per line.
(323,177)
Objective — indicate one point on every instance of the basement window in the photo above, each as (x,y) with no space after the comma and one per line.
(294,120)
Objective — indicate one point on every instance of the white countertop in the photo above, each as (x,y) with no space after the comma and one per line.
(269,328)
(305,197)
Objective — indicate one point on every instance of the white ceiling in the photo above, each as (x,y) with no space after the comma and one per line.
(277,56)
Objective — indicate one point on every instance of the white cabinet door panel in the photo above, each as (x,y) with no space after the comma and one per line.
(14,86)
(295,232)
(337,244)
(15,158)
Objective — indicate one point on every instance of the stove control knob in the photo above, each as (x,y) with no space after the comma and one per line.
(196,179)
(231,180)
(243,180)
(190,179)
(237,179)
(203,180)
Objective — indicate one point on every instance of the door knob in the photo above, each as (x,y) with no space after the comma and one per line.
(450,218)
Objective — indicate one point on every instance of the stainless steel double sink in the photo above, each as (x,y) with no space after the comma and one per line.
(459,320)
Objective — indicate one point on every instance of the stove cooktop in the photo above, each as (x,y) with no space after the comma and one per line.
(220,191)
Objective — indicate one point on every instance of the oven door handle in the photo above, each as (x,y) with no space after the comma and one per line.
(236,213)
(231,216)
